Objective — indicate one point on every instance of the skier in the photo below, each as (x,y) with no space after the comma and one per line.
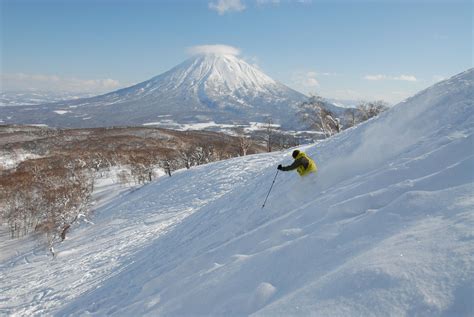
(303,164)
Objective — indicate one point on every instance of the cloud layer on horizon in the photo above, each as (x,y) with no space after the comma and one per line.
(385,77)
(21,81)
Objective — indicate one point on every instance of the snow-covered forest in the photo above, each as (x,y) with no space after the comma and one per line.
(49,177)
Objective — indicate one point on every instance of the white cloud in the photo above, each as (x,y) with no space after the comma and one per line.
(329,74)
(213,49)
(224,6)
(21,81)
(375,77)
(385,77)
(305,81)
(311,82)
(405,78)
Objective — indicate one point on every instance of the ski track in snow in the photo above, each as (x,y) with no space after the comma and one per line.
(383,229)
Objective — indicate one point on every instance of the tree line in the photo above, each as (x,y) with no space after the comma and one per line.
(317,116)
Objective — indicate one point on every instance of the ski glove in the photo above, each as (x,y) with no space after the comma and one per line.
(280,167)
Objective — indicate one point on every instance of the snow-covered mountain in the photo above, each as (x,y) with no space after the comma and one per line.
(207,87)
(383,229)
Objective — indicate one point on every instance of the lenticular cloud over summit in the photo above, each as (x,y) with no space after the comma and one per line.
(217,49)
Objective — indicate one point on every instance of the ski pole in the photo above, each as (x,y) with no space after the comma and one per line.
(270,189)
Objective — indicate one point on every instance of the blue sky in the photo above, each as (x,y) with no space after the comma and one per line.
(340,49)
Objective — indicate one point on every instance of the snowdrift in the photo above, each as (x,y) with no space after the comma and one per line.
(384,228)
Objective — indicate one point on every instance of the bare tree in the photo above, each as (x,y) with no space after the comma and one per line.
(244,142)
(268,133)
(49,202)
(166,165)
(351,117)
(371,109)
(124,177)
(314,113)
(185,155)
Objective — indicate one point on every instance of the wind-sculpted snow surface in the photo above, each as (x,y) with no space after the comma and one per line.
(383,229)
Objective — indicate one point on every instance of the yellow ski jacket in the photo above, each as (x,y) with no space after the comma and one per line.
(303,164)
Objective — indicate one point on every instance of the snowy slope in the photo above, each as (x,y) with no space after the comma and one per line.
(207,87)
(383,229)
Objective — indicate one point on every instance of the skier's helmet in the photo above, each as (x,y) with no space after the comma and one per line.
(295,153)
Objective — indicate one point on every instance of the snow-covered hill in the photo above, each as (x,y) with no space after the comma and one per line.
(207,87)
(384,229)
